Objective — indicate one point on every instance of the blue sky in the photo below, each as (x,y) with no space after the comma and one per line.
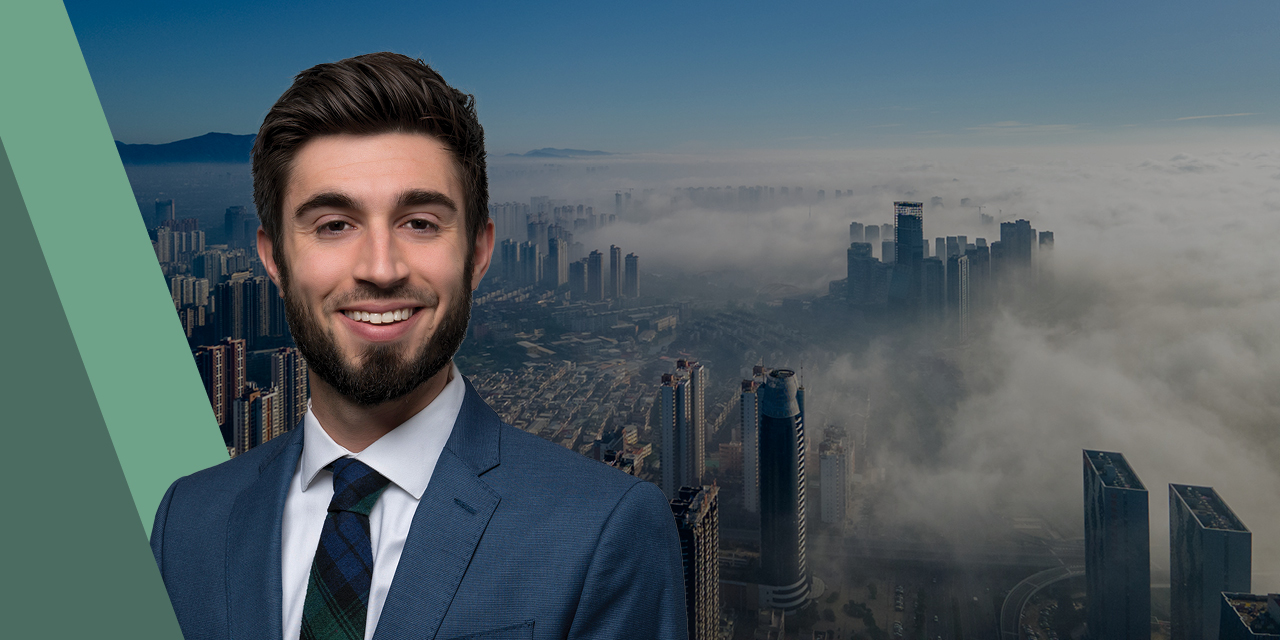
(710,76)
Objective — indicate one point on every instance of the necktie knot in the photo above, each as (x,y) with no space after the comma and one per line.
(356,486)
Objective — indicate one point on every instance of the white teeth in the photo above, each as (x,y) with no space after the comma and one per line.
(380,318)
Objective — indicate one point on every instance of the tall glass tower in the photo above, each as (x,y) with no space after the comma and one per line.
(784,572)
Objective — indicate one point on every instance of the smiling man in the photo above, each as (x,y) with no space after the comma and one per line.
(402,507)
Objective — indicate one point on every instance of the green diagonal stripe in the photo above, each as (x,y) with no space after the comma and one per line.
(77,563)
(99,257)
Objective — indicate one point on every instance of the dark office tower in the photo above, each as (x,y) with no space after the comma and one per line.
(855,232)
(697,513)
(613,286)
(1046,240)
(595,277)
(908,268)
(784,571)
(1117,548)
(959,296)
(289,375)
(578,279)
(887,252)
(164,213)
(980,282)
(1210,552)
(935,293)
(1014,264)
(555,268)
(631,283)
(276,311)
(1245,616)
(940,249)
(872,234)
(953,246)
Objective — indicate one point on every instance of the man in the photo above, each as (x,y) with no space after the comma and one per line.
(402,507)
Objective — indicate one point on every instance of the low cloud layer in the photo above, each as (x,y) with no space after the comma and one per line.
(1159,338)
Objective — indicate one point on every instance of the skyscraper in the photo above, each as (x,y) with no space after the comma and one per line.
(907,292)
(164,212)
(833,467)
(682,426)
(1210,552)
(613,286)
(631,287)
(697,514)
(1246,616)
(555,268)
(749,423)
(289,375)
(855,232)
(595,276)
(784,570)
(1117,548)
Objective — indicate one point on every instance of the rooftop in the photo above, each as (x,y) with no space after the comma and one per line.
(1260,614)
(1208,507)
(1114,471)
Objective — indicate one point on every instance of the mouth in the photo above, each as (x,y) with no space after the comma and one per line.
(386,317)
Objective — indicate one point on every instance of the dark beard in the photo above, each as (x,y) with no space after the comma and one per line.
(386,372)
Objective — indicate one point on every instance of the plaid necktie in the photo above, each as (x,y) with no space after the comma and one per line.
(338,588)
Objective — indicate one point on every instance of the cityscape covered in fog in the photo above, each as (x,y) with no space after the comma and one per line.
(938,345)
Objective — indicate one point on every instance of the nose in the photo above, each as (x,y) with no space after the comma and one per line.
(381,261)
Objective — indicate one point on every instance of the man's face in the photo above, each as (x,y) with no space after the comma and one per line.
(379,269)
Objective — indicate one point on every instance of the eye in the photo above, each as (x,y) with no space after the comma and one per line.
(333,227)
(421,224)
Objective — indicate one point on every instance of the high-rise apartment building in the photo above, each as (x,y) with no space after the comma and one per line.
(289,376)
(749,425)
(682,423)
(1210,552)
(833,469)
(784,569)
(697,514)
(631,285)
(613,286)
(855,232)
(595,277)
(1117,548)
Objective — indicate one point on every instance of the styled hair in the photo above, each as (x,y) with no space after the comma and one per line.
(367,95)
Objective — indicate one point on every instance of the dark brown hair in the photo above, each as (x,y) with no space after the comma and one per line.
(367,95)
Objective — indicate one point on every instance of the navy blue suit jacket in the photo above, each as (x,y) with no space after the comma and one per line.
(514,537)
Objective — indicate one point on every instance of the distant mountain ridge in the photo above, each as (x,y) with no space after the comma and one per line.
(210,147)
(548,152)
(234,148)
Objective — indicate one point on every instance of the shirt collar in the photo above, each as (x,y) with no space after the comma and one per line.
(400,454)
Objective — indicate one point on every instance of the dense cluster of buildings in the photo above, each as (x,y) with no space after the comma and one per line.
(952,285)
(1210,555)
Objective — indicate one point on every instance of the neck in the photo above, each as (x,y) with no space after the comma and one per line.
(354,426)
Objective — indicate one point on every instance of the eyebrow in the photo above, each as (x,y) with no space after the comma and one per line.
(410,198)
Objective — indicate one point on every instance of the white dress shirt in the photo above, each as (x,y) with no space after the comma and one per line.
(406,456)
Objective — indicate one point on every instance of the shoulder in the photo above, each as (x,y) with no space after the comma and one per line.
(550,465)
(229,478)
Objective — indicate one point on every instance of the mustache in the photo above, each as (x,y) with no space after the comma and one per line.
(369,293)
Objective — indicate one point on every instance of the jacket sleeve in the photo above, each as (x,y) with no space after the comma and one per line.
(635,582)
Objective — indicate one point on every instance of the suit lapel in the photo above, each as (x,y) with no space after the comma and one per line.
(253,547)
(447,526)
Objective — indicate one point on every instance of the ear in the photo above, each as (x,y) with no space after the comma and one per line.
(267,255)
(483,254)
